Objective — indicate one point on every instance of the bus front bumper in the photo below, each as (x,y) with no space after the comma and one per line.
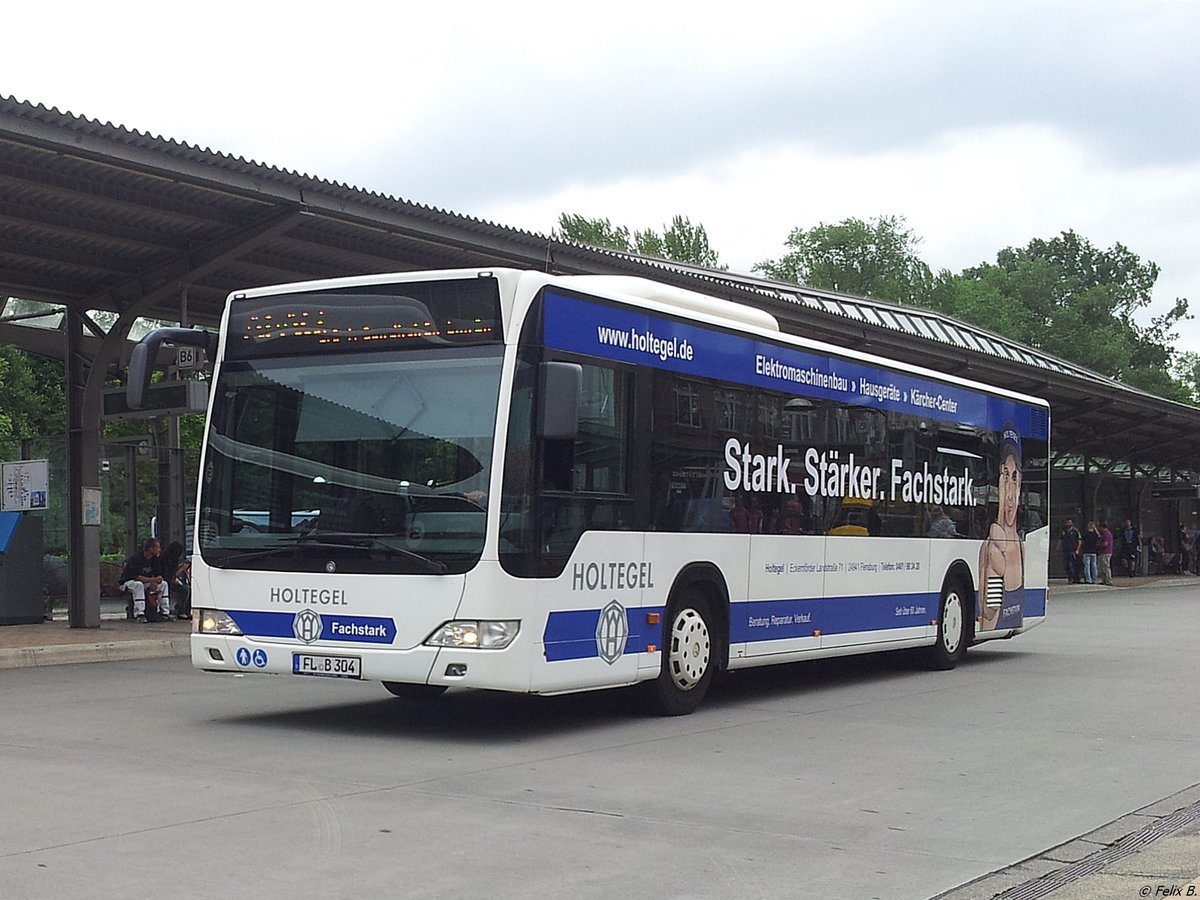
(482,669)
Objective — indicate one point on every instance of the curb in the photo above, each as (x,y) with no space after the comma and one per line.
(106,651)
(1079,867)
(1144,582)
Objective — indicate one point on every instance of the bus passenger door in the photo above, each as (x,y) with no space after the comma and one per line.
(595,627)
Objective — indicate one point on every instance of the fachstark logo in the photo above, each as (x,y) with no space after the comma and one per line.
(612,631)
(307,626)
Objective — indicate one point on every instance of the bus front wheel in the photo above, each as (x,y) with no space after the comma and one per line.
(954,625)
(688,658)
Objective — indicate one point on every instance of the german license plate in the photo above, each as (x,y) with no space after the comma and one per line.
(327,666)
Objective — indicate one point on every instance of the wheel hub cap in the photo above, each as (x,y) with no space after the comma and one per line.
(952,622)
(690,648)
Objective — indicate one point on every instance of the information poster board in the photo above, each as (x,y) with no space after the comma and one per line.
(92,504)
(26,484)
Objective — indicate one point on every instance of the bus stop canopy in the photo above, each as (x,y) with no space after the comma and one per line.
(96,216)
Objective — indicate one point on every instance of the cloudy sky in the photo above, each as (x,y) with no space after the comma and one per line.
(984,124)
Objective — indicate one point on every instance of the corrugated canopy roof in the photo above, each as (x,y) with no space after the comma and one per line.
(97,216)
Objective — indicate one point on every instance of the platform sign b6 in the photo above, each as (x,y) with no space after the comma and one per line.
(188,357)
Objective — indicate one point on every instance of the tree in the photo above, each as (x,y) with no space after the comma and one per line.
(687,243)
(1186,371)
(1075,301)
(597,232)
(32,398)
(681,241)
(876,258)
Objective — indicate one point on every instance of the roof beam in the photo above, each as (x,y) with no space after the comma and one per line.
(51,288)
(149,287)
(1081,410)
(126,196)
(40,252)
(1181,434)
(92,228)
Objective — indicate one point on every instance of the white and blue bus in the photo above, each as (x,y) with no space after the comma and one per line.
(524,482)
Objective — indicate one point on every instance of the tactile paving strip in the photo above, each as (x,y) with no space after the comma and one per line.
(1089,865)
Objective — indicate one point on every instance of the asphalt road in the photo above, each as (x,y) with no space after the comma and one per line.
(855,778)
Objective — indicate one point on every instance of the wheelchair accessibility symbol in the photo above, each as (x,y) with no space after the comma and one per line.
(260,658)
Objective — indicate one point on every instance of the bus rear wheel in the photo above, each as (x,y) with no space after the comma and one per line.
(407,691)
(954,626)
(688,658)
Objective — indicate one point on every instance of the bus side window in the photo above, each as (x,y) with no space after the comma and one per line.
(602,446)
(597,461)
(585,483)
(558,465)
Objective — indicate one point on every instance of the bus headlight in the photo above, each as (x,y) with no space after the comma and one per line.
(216,621)
(475,635)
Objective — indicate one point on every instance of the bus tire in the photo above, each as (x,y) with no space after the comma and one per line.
(689,656)
(407,691)
(954,625)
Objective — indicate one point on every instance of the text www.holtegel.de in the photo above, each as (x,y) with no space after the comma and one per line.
(645,342)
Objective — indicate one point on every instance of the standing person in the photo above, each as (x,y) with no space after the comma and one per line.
(1129,547)
(1068,542)
(755,516)
(739,515)
(1091,550)
(1183,547)
(143,578)
(1105,556)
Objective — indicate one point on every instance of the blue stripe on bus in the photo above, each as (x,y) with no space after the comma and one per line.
(776,620)
(1034,603)
(878,612)
(571,634)
(334,626)
(630,336)
(773,620)
(263,624)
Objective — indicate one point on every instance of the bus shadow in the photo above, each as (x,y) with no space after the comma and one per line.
(482,717)
(469,716)
(807,677)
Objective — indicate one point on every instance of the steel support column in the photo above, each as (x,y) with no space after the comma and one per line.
(83,453)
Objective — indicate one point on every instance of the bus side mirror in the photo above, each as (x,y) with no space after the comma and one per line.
(145,353)
(559,396)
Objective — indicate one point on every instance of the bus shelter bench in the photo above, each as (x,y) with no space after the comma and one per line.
(110,585)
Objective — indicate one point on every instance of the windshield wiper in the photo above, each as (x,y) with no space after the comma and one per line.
(336,541)
(372,541)
(248,555)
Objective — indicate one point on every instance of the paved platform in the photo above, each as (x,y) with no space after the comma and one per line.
(56,643)
(1150,852)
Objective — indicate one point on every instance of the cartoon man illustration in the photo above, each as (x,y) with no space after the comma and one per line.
(1002,556)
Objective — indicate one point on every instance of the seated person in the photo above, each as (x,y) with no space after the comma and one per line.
(794,520)
(940,524)
(178,571)
(1158,551)
(143,578)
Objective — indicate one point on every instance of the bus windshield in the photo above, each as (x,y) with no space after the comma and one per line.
(363,462)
